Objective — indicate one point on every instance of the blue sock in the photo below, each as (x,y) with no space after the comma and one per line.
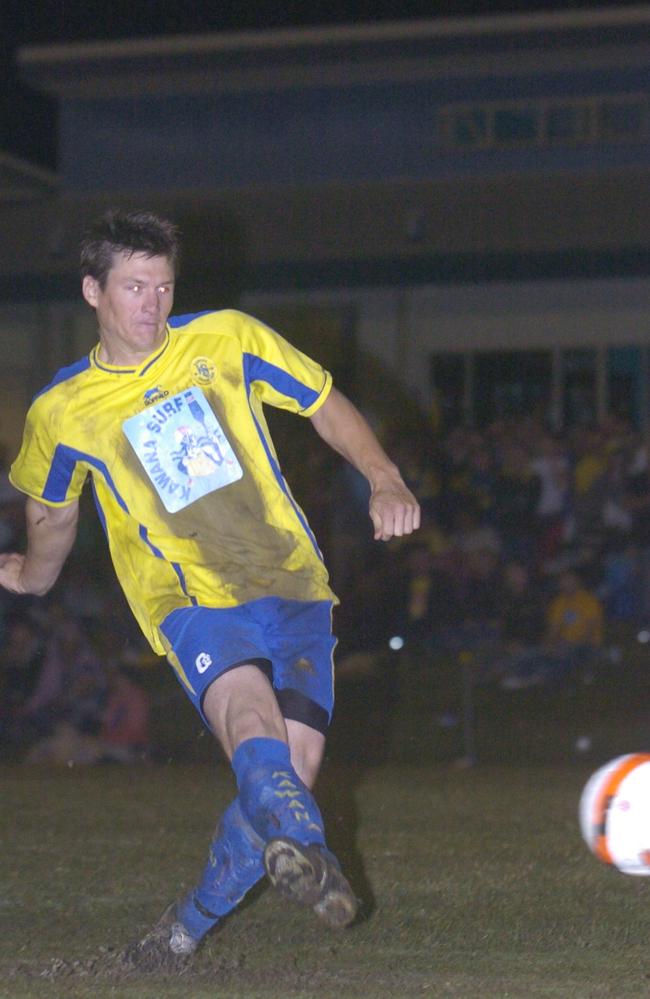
(273,798)
(234,866)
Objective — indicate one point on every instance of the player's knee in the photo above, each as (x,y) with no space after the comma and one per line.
(241,705)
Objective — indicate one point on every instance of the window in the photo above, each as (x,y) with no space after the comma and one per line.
(583,383)
(545,122)
(448,382)
(511,383)
(579,387)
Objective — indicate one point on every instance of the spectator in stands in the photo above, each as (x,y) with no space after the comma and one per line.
(618,585)
(124,734)
(517,492)
(522,608)
(552,467)
(430,612)
(517,625)
(350,541)
(481,475)
(71,686)
(468,535)
(590,468)
(572,641)
(637,502)
(11,508)
(21,663)
(575,617)
(479,597)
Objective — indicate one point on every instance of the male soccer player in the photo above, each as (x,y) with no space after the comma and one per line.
(213,553)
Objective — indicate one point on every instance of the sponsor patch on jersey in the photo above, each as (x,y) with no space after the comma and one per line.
(203,371)
(156,394)
(183,449)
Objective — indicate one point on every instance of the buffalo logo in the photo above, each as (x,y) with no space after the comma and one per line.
(155,395)
(202,371)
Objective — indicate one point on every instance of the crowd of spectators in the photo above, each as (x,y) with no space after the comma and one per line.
(532,542)
(68,689)
(64,698)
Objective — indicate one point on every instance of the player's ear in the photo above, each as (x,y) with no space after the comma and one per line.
(90,289)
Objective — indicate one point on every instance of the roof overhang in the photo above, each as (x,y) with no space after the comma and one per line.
(342,54)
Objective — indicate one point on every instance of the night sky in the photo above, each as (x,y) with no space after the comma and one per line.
(28,120)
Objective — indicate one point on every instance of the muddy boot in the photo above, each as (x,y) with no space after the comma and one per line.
(311,876)
(167,947)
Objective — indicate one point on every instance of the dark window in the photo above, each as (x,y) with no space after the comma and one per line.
(448,389)
(511,383)
(579,389)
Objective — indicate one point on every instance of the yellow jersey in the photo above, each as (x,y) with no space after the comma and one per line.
(185,476)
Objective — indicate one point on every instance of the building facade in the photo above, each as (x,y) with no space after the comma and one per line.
(461,202)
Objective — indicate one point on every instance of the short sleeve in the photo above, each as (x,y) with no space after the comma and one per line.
(279,373)
(46,470)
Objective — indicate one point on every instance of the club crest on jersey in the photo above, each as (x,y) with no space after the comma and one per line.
(155,395)
(203,371)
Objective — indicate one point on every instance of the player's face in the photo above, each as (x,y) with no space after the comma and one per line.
(133,307)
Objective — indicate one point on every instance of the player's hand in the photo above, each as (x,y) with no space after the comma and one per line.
(11,570)
(394,511)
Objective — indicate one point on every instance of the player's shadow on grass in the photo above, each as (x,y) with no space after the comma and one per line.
(337,797)
(358,741)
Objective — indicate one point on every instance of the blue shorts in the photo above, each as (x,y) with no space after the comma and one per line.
(290,640)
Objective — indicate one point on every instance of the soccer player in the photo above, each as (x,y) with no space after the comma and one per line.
(214,555)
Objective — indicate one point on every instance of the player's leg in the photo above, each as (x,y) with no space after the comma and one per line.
(274,824)
(244,714)
(301,645)
(307,872)
(240,707)
(235,861)
(237,705)
(307,747)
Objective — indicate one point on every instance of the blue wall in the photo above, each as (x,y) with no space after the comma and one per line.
(360,133)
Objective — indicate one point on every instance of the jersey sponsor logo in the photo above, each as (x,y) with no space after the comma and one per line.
(155,395)
(183,449)
(203,661)
(203,371)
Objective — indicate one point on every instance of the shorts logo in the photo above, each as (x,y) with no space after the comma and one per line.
(203,371)
(203,661)
(306,665)
(155,395)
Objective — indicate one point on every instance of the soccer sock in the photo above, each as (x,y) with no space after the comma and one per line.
(273,798)
(234,866)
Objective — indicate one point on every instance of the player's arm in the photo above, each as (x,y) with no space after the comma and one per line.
(51,532)
(394,510)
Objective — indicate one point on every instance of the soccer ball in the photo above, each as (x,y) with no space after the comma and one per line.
(615,813)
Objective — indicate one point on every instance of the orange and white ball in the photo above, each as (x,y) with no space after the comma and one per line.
(615,813)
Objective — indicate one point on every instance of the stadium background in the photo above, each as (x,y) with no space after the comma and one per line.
(452,214)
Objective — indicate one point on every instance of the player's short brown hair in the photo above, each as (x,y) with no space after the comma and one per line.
(126,232)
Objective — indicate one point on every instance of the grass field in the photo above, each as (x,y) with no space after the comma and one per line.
(474,881)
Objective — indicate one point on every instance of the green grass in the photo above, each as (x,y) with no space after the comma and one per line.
(474,882)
